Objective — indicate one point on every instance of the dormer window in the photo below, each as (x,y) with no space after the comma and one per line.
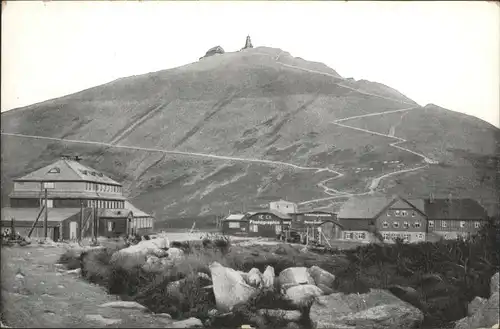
(54,170)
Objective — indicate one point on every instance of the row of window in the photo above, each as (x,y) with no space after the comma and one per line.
(103,188)
(463,224)
(401,213)
(444,224)
(354,236)
(255,228)
(395,224)
(142,223)
(404,236)
(105,204)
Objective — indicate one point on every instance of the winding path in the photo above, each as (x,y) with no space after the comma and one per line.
(332,193)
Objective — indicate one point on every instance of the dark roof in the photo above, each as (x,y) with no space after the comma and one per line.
(136,211)
(370,206)
(124,212)
(54,194)
(274,212)
(357,224)
(454,209)
(67,170)
(55,215)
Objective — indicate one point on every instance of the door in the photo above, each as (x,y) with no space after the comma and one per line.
(72,230)
(56,234)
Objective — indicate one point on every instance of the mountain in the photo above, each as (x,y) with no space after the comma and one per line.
(243,128)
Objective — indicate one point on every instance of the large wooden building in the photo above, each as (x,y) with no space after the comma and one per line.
(413,220)
(80,201)
(319,226)
(267,223)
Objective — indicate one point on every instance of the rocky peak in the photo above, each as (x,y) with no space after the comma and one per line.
(213,51)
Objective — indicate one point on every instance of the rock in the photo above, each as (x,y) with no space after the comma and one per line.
(494,285)
(204,276)
(254,278)
(303,295)
(496,326)
(175,253)
(103,320)
(326,290)
(213,51)
(244,275)
(19,276)
(188,323)
(157,247)
(229,287)
(75,271)
(125,304)
(2,325)
(60,286)
(474,305)
(334,311)
(320,276)
(268,278)
(485,316)
(280,314)
(294,276)
(390,316)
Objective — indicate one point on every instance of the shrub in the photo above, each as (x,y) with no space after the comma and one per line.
(70,259)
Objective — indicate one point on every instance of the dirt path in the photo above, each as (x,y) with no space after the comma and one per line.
(46,298)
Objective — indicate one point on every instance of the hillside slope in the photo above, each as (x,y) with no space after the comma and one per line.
(258,104)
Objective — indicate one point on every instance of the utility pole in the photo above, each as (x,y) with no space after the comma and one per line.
(81,222)
(45,228)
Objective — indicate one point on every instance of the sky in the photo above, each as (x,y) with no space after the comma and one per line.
(446,53)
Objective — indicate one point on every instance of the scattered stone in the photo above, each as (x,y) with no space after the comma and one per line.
(229,287)
(188,323)
(204,276)
(58,274)
(2,325)
(485,316)
(163,315)
(303,295)
(60,286)
(268,278)
(125,304)
(390,316)
(19,276)
(175,253)
(294,276)
(157,247)
(103,320)
(320,276)
(475,305)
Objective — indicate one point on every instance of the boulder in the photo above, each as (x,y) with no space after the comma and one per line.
(494,285)
(320,276)
(229,287)
(157,247)
(125,304)
(175,253)
(213,51)
(475,305)
(268,277)
(486,316)
(391,316)
(326,290)
(187,323)
(294,276)
(102,320)
(340,310)
(303,295)
(254,278)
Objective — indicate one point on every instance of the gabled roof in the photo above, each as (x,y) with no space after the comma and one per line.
(454,209)
(274,212)
(235,217)
(67,170)
(370,206)
(136,211)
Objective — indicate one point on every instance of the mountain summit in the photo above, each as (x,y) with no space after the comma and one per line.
(241,128)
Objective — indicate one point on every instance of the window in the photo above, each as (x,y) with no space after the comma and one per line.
(385,224)
(388,214)
(431,223)
(54,170)
(403,213)
(406,225)
(477,224)
(462,224)
(416,224)
(396,213)
(48,185)
(413,214)
(362,236)
(50,203)
(385,236)
(277,229)
(395,224)
(234,224)
(420,236)
(254,228)
(444,224)
(111,226)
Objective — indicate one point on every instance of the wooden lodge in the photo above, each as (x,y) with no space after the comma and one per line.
(268,223)
(235,224)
